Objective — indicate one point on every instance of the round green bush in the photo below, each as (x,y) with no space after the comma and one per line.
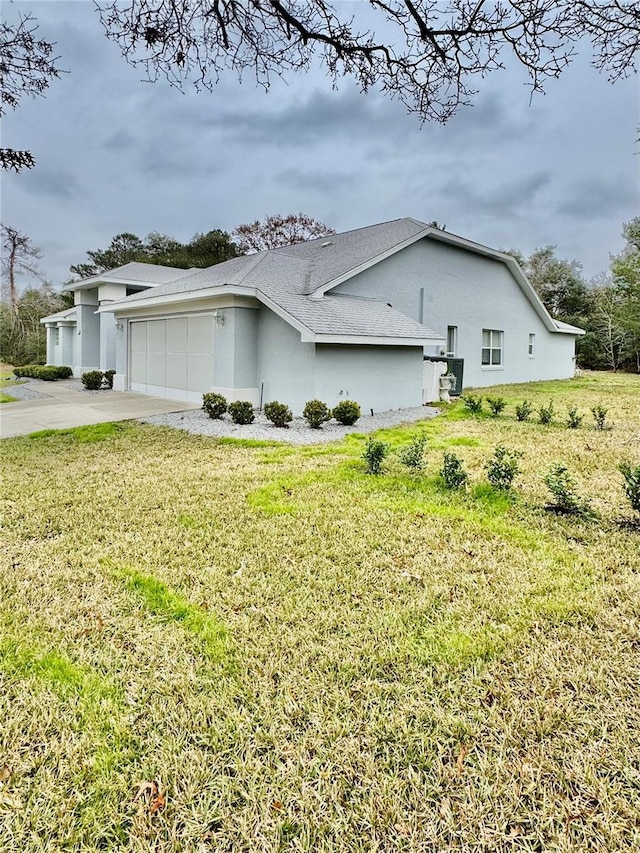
(92,380)
(316,413)
(241,412)
(215,405)
(278,413)
(347,412)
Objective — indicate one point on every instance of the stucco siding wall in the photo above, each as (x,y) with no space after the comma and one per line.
(285,364)
(377,377)
(445,286)
(87,350)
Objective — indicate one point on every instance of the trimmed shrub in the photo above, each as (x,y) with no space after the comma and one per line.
(374,455)
(316,413)
(573,418)
(347,412)
(600,415)
(453,474)
(497,405)
(241,412)
(108,378)
(413,455)
(472,403)
(215,405)
(545,413)
(631,485)
(92,380)
(563,488)
(48,372)
(278,413)
(503,467)
(523,410)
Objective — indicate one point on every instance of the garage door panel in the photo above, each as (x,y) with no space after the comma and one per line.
(177,335)
(201,335)
(200,373)
(156,369)
(176,370)
(139,367)
(157,336)
(138,337)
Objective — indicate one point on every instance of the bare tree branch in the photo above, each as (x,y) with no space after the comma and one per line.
(428,59)
(27,66)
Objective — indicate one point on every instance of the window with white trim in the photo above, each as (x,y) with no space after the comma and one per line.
(56,337)
(492,347)
(532,345)
(452,340)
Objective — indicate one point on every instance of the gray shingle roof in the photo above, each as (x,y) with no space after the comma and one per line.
(67,314)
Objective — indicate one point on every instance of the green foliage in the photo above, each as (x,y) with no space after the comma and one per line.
(92,380)
(203,250)
(215,405)
(545,413)
(523,410)
(316,413)
(278,413)
(497,405)
(23,339)
(503,467)
(347,412)
(27,370)
(599,413)
(472,403)
(241,412)
(573,418)
(452,472)
(374,455)
(48,372)
(563,488)
(413,455)
(108,378)
(631,485)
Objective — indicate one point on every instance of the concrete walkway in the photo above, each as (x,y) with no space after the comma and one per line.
(67,405)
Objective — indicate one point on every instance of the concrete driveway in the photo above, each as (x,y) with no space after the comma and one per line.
(66,404)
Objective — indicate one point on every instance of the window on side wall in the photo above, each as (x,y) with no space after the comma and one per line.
(452,341)
(492,347)
(532,345)
(56,339)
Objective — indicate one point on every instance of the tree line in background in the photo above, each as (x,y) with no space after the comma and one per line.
(607,307)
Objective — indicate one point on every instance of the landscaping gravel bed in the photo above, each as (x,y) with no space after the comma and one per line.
(198,422)
(23,392)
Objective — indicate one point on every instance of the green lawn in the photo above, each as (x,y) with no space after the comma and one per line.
(207,646)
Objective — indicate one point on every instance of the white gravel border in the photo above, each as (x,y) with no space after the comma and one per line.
(198,422)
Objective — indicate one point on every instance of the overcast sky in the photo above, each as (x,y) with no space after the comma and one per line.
(117,154)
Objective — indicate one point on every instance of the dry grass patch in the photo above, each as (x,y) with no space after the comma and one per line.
(208,646)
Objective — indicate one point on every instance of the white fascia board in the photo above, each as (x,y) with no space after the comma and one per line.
(91,283)
(306,335)
(319,293)
(171,298)
(568,329)
(461,243)
(375,340)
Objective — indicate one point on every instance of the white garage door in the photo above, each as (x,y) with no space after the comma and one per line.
(172,358)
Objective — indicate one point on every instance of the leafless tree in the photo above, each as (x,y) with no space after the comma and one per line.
(429,55)
(27,66)
(278,231)
(18,256)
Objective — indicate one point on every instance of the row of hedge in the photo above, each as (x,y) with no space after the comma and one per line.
(315,412)
(48,372)
(502,468)
(474,404)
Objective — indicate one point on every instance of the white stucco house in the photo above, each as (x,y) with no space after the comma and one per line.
(346,316)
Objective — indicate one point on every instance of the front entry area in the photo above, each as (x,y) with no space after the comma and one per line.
(172,358)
